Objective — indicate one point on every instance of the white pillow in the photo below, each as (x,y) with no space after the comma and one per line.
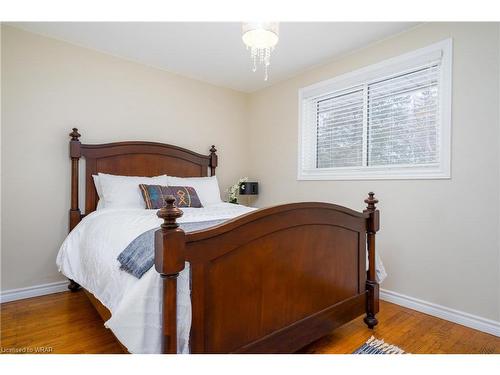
(207,188)
(124,192)
(100,202)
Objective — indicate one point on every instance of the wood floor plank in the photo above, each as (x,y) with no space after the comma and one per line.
(67,323)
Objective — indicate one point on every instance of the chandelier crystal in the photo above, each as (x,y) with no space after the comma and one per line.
(260,38)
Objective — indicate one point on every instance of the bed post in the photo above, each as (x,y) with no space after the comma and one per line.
(169,261)
(74,152)
(74,213)
(372,287)
(213,160)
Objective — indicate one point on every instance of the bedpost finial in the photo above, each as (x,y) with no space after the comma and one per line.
(371,201)
(213,150)
(74,135)
(169,213)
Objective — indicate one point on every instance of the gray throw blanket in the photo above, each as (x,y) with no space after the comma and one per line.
(138,256)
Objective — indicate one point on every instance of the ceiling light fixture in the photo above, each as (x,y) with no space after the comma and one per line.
(260,38)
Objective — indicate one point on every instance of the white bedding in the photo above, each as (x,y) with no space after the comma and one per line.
(88,256)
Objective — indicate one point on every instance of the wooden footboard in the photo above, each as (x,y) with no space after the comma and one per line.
(270,281)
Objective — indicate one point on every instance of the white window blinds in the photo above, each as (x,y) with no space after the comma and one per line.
(403,119)
(389,123)
(340,129)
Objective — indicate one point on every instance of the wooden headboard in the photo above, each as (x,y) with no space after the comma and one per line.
(134,158)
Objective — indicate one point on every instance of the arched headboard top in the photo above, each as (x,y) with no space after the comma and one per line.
(131,158)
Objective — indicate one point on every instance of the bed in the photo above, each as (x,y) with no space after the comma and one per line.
(270,280)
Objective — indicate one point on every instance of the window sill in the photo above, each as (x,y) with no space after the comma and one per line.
(345,175)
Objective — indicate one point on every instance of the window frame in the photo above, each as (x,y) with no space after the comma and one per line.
(406,62)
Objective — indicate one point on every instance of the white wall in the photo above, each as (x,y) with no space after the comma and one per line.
(50,86)
(439,238)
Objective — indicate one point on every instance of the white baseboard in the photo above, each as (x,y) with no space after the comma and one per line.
(33,291)
(473,321)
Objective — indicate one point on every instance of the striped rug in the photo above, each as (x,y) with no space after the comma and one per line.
(375,346)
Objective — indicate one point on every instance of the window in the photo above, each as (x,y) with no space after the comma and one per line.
(387,121)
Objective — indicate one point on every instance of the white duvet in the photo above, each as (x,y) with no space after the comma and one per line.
(88,256)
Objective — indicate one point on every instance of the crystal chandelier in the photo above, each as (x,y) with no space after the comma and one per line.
(260,38)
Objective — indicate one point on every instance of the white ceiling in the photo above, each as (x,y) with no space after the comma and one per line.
(213,51)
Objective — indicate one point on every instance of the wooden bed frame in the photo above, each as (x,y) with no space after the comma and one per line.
(271,281)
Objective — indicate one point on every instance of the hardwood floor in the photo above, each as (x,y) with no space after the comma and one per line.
(67,323)
(412,331)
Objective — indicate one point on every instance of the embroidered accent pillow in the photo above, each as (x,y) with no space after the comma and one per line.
(154,196)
